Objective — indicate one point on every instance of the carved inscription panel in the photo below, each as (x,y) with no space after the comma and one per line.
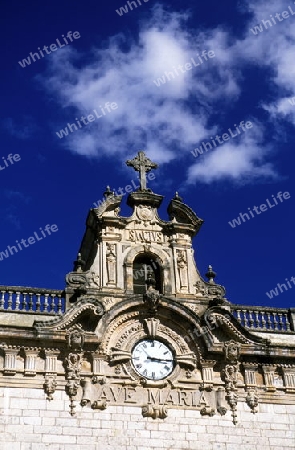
(146,236)
(138,395)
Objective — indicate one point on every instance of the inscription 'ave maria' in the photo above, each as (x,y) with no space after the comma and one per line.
(140,396)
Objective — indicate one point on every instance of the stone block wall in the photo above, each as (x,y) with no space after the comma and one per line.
(30,422)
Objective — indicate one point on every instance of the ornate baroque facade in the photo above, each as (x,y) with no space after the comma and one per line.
(138,339)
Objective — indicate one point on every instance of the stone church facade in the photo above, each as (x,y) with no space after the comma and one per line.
(139,352)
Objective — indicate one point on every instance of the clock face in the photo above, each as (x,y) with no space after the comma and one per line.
(152,359)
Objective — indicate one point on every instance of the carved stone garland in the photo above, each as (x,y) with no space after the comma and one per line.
(230,375)
(73,365)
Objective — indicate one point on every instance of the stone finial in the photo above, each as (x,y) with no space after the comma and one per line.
(177,197)
(79,263)
(210,275)
(108,193)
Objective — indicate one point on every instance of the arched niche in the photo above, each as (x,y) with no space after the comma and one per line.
(144,266)
(158,262)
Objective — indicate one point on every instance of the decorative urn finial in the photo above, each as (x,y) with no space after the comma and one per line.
(210,275)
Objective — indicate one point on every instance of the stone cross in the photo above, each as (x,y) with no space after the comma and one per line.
(142,164)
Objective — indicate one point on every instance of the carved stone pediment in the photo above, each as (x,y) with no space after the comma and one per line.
(110,205)
(183,214)
(84,315)
(222,321)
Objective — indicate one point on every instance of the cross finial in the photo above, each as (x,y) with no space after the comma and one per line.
(142,164)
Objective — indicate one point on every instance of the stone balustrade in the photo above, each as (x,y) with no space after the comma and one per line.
(264,318)
(48,301)
(31,300)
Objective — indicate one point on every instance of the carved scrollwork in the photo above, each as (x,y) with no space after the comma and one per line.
(218,291)
(75,280)
(220,401)
(86,385)
(188,361)
(99,405)
(152,326)
(201,288)
(145,213)
(99,380)
(155,411)
(207,411)
(221,410)
(120,356)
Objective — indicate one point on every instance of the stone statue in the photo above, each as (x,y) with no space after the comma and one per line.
(182,268)
(111,263)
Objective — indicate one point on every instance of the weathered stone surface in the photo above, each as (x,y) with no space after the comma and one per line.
(223,374)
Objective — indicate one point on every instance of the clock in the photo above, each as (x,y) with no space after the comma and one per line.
(152,359)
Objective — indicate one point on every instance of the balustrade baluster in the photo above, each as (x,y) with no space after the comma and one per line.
(17,301)
(287,322)
(38,303)
(2,300)
(59,303)
(275,322)
(281,324)
(51,304)
(9,303)
(30,302)
(268,321)
(238,311)
(263,321)
(46,305)
(244,312)
(22,305)
(256,320)
(251,320)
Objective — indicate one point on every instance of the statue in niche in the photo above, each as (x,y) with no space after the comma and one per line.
(232,351)
(231,376)
(111,263)
(182,268)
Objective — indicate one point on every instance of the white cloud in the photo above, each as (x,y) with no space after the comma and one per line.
(236,160)
(274,48)
(167,121)
(148,117)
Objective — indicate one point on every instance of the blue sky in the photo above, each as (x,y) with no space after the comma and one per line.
(120,58)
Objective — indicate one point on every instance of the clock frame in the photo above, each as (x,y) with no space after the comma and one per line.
(152,359)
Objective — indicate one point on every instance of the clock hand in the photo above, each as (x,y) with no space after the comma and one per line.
(160,360)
